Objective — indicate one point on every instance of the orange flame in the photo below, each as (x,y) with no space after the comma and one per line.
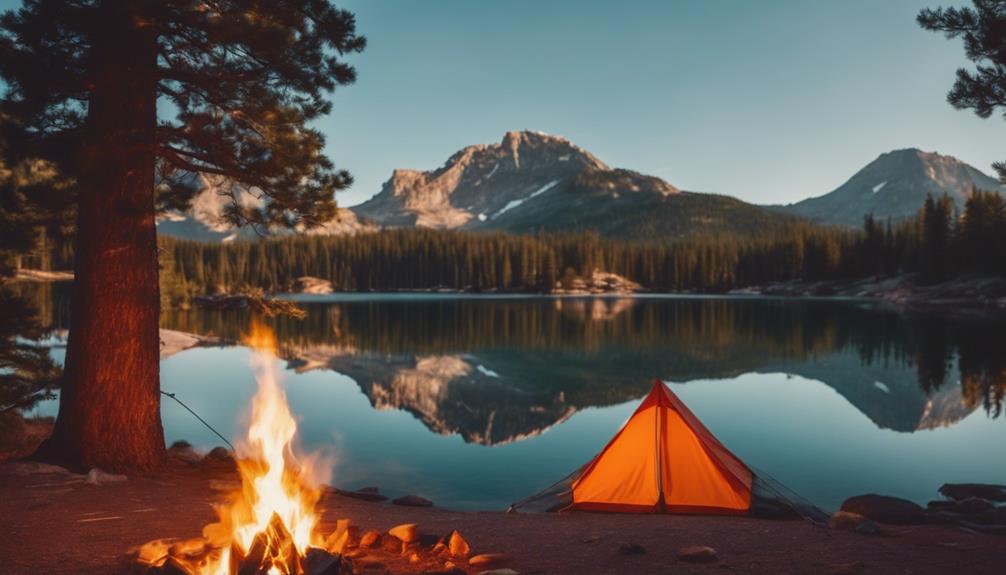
(274,480)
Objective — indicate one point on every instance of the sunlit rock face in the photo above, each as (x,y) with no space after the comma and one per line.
(531,182)
(895,185)
(449,394)
(205,219)
(480,183)
(945,407)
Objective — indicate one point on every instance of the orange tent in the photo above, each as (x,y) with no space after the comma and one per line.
(663,460)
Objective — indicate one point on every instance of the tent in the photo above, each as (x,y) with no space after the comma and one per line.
(663,460)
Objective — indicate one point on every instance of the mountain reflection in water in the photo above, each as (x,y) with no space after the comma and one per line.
(831,398)
(497,370)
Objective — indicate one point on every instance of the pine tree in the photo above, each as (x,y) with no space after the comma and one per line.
(241,79)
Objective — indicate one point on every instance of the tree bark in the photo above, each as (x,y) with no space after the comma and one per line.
(109,410)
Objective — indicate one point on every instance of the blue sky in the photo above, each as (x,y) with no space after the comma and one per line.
(770,101)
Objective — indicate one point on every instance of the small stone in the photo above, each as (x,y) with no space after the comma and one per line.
(487,559)
(414,558)
(868,527)
(407,532)
(320,562)
(848,521)
(457,545)
(631,549)
(355,553)
(220,454)
(697,554)
(391,544)
(99,477)
(412,501)
(499,572)
(370,539)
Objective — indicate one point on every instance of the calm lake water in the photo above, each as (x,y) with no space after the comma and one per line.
(477,402)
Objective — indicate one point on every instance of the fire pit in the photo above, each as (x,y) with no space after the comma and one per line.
(270,526)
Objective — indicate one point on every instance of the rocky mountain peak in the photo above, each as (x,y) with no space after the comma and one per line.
(894,186)
(478,181)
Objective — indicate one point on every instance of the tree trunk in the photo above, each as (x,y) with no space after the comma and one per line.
(109,410)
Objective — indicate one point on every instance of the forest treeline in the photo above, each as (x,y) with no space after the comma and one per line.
(937,244)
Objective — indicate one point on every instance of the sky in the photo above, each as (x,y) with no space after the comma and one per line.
(770,101)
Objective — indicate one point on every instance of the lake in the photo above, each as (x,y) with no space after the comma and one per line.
(476,402)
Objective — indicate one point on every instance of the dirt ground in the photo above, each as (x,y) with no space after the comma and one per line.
(57,523)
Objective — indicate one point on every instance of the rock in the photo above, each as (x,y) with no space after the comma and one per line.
(487,559)
(414,558)
(391,544)
(848,521)
(885,509)
(960,491)
(412,501)
(366,494)
(407,532)
(183,451)
(99,477)
(972,505)
(499,572)
(697,554)
(868,527)
(312,285)
(457,545)
(631,549)
(220,454)
(370,539)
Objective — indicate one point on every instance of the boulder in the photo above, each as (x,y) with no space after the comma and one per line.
(412,501)
(959,491)
(885,509)
(697,554)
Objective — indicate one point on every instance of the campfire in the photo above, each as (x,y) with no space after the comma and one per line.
(270,526)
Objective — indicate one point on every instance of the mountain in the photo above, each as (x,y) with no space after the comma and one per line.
(204,220)
(532,181)
(894,186)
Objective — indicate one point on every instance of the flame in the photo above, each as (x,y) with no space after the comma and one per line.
(275,482)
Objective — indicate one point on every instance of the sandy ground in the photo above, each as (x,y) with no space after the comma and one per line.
(58,523)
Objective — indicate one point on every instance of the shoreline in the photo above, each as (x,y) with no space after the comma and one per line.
(97,523)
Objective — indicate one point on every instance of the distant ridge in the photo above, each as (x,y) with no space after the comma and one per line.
(894,186)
